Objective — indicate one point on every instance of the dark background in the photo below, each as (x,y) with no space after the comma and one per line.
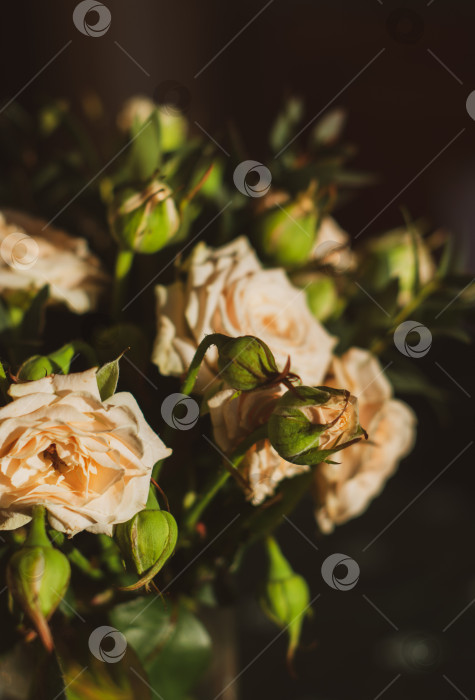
(404,109)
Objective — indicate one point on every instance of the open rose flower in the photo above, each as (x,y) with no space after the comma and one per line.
(226,290)
(234,419)
(345,490)
(88,461)
(31,257)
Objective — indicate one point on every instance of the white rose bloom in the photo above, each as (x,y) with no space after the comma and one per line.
(88,461)
(226,290)
(234,419)
(344,490)
(32,258)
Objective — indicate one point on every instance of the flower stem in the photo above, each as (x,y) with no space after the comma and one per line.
(123,266)
(37,536)
(219,481)
(194,368)
(380,345)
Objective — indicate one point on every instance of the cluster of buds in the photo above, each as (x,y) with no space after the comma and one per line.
(147,541)
(38,577)
(307,424)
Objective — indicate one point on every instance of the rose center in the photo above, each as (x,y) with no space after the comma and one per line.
(52,454)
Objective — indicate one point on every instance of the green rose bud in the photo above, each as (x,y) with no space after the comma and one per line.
(402,256)
(322,298)
(285,234)
(246,363)
(147,541)
(287,596)
(144,222)
(173,130)
(38,577)
(309,424)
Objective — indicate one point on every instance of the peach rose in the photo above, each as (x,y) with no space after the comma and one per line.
(345,490)
(234,419)
(340,414)
(87,461)
(31,257)
(226,290)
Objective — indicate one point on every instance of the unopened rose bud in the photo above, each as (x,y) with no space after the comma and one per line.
(246,363)
(322,297)
(287,596)
(144,222)
(285,234)
(38,577)
(402,256)
(310,424)
(147,541)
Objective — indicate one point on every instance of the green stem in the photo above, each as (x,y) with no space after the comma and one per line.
(220,479)
(123,266)
(194,368)
(37,536)
(189,383)
(380,345)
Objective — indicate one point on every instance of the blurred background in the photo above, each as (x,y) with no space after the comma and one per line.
(403,73)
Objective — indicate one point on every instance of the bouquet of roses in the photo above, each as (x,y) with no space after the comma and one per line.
(170,398)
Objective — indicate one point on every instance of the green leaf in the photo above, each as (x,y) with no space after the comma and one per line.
(107,378)
(57,362)
(172,645)
(85,677)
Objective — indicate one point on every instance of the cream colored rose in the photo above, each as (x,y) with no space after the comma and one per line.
(341,416)
(332,246)
(344,491)
(234,419)
(226,290)
(88,461)
(32,258)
